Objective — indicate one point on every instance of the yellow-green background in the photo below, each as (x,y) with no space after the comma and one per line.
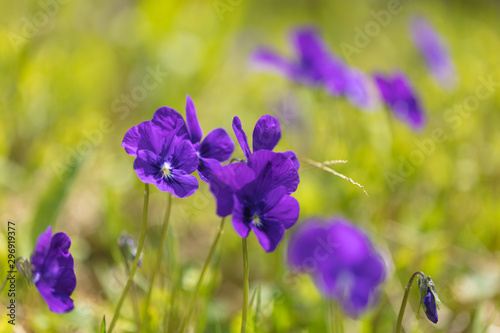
(63,80)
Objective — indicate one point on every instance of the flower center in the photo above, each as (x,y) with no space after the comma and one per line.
(256,220)
(165,168)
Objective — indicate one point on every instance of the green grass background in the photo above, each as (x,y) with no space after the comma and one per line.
(64,81)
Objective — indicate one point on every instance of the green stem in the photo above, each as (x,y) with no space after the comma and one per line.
(332,315)
(172,315)
(158,258)
(245,287)
(203,271)
(336,321)
(339,317)
(136,260)
(405,300)
(134,297)
(4,282)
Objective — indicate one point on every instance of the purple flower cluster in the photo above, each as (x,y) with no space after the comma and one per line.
(433,51)
(167,151)
(342,261)
(257,192)
(400,97)
(53,270)
(316,65)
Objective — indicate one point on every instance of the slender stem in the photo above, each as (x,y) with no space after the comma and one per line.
(158,258)
(134,297)
(339,317)
(136,260)
(203,271)
(332,315)
(245,287)
(174,290)
(4,282)
(405,300)
(175,283)
(336,323)
(172,315)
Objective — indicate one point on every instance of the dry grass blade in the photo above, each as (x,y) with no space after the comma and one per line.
(324,167)
(334,162)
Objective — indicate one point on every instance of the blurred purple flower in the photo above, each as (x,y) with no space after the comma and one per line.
(315,65)
(434,51)
(342,261)
(266,135)
(400,97)
(311,63)
(430,306)
(360,90)
(54,270)
(257,194)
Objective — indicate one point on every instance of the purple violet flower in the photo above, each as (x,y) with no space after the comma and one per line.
(163,158)
(400,97)
(266,135)
(342,261)
(434,51)
(430,306)
(311,63)
(315,65)
(257,194)
(217,147)
(54,270)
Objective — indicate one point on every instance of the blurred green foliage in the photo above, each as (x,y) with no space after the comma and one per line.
(72,83)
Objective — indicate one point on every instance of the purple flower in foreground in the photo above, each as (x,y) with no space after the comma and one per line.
(257,194)
(400,97)
(434,51)
(430,306)
(266,135)
(163,157)
(315,65)
(341,260)
(54,270)
(215,148)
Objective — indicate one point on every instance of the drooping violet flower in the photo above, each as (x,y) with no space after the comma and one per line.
(266,135)
(53,270)
(430,306)
(257,194)
(342,261)
(428,296)
(434,51)
(400,97)
(217,146)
